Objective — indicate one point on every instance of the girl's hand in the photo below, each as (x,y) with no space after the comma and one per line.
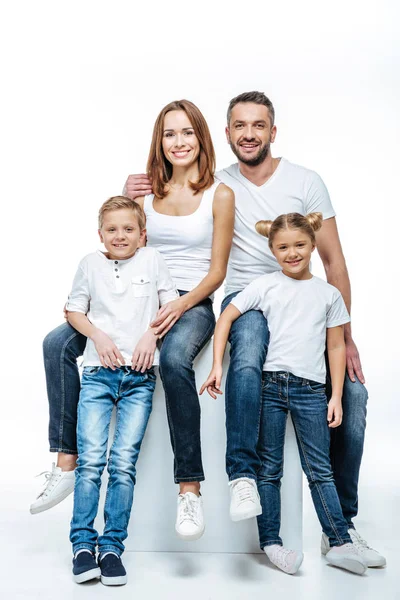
(335,412)
(167,316)
(108,352)
(213,383)
(143,354)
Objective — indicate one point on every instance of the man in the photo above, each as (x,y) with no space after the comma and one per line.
(266,187)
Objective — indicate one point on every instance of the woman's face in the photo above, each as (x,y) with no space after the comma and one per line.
(180,143)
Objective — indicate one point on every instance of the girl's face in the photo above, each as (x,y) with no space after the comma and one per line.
(292,249)
(180,143)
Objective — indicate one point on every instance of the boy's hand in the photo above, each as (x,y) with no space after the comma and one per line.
(167,316)
(143,354)
(108,352)
(213,382)
(335,412)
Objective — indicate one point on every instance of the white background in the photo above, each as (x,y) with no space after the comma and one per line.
(82,83)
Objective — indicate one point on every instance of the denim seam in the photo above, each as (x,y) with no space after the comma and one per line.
(109,462)
(270,543)
(109,548)
(320,493)
(84,546)
(64,450)
(62,369)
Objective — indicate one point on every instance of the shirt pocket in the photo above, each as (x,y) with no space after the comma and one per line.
(141,286)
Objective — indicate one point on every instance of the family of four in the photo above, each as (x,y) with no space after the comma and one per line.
(170,240)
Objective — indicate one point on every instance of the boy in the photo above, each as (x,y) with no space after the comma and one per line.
(114,298)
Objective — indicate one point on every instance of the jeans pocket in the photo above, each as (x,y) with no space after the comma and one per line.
(91,370)
(314,387)
(266,382)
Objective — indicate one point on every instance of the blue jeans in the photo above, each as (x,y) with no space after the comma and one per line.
(249,338)
(306,400)
(63,346)
(102,389)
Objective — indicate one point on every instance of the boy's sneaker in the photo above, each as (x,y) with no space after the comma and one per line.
(112,570)
(245,500)
(286,560)
(189,524)
(347,557)
(59,484)
(371,557)
(84,566)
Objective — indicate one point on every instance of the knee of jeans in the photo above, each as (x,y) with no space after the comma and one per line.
(273,477)
(173,362)
(62,337)
(321,474)
(121,469)
(354,392)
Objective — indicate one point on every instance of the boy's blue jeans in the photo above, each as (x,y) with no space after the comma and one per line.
(306,400)
(102,389)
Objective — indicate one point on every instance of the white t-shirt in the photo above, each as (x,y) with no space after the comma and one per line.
(291,188)
(298,314)
(184,241)
(121,297)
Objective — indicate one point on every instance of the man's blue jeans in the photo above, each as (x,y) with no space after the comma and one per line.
(307,403)
(249,338)
(102,389)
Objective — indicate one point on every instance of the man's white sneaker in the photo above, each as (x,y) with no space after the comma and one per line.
(189,519)
(286,560)
(59,484)
(245,500)
(347,557)
(371,557)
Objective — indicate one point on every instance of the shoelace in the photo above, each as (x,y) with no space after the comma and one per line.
(51,479)
(359,542)
(244,492)
(281,555)
(187,511)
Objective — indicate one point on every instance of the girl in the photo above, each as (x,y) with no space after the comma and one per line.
(304,313)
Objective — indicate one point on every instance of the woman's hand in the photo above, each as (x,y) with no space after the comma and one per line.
(167,316)
(335,412)
(143,354)
(213,382)
(108,352)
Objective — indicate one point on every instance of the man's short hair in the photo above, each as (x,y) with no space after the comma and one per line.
(256,98)
(118,202)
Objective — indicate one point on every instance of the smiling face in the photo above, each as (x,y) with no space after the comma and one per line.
(249,133)
(292,249)
(180,143)
(121,234)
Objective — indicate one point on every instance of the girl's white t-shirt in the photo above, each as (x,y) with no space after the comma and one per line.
(298,314)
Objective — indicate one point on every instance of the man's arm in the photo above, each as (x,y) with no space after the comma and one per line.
(331,253)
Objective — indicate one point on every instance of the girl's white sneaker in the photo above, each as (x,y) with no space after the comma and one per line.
(286,560)
(59,484)
(347,557)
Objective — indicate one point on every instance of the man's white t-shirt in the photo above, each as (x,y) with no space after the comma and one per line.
(291,188)
(298,314)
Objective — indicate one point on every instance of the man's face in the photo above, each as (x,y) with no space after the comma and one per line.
(250,133)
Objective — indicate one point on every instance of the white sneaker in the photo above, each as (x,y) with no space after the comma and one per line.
(189,519)
(347,557)
(370,556)
(245,500)
(286,560)
(59,484)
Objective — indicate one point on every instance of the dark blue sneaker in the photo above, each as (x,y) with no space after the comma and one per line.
(112,570)
(84,567)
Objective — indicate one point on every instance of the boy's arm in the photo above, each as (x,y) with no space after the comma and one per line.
(337,365)
(222,329)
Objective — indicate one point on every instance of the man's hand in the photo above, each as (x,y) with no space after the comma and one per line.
(167,316)
(137,185)
(213,382)
(353,361)
(108,352)
(335,412)
(143,354)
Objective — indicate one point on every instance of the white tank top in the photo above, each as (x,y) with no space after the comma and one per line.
(185,242)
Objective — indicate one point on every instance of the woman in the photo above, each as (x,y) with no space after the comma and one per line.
(190,221)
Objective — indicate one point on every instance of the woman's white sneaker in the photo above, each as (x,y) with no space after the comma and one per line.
(189,519)
(245,500)
(286,560)
(347,557)
(59,484)
(371,557)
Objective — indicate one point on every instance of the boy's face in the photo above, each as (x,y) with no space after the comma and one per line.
(121,234)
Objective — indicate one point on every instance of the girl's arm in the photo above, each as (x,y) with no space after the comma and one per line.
(337,366)
(224,324)
(224,217)
(108,352)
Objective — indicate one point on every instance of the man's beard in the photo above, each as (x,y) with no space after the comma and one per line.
(256,160)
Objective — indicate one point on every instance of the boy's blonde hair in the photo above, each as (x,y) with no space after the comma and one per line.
(309,224)
(118,202)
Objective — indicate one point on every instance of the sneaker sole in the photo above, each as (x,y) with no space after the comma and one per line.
(121,580)
(349,564)
(376,563)
(38,509)
(87,575)
(192,537)
(235,517)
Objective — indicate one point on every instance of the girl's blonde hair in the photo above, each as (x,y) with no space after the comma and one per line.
(118,202)
(309,224)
